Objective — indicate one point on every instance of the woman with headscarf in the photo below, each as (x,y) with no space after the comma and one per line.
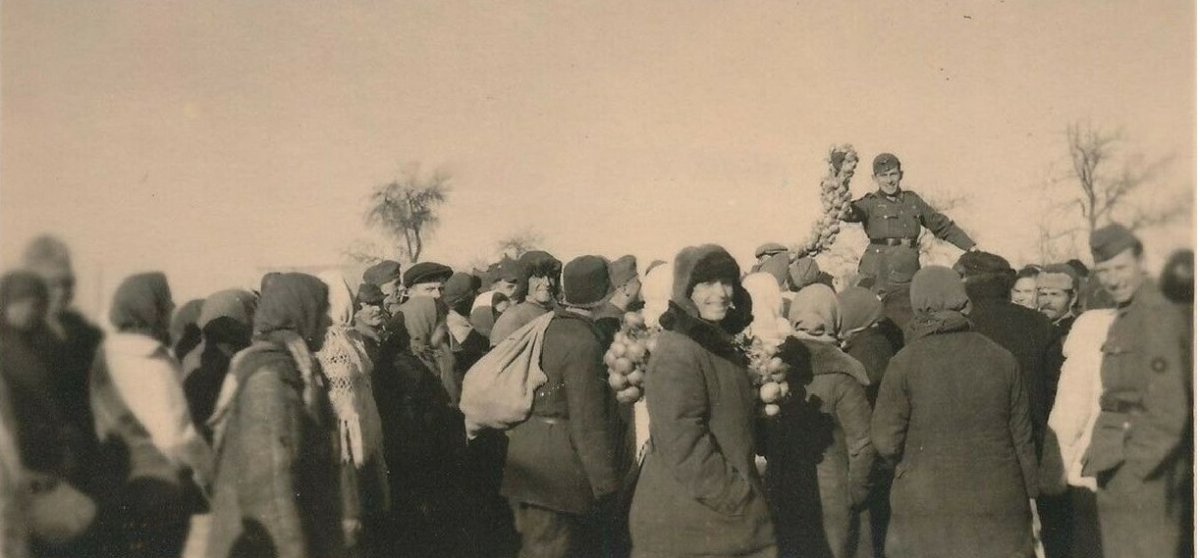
(699,493)
(226,324)
(818,449)
(768,325)
(423,433)
(953,414)
(347,370)
(157,458)
(276,490)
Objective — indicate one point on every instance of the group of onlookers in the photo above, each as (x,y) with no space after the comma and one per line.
(936,416)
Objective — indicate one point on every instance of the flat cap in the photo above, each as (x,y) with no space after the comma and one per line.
(769,249)
(426,272)
(382,273)
(622,270)
(460,286)
(885,162)
(1110,240)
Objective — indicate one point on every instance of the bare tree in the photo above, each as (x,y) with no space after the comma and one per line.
(1106,184)
(519,243)
(406,209)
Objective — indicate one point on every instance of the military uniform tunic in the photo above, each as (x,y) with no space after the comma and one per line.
(1145,412)
(892,224)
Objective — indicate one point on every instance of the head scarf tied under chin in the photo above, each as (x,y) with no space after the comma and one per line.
(422,317)
(860,309)
(814,313)
(341,299)
(142,304)
(939,302)
(292,302)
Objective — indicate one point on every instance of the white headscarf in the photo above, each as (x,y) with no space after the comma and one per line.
(767,303)
(656,291)
(341,298)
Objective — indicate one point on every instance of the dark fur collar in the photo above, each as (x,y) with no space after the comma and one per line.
(710,336)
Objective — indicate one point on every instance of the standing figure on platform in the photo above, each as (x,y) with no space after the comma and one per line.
(892,218)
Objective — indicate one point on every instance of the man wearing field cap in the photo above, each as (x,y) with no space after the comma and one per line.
(1058,291)
(536,293)
(561,462)
(1144,409)
(892,219)
(627,289)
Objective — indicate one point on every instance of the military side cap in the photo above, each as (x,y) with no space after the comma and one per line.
(769,249)
(885,162)
(370,294)
(1110,240)
(382,273)
(979,263)
(1058,276)
(622,270)
(426,272)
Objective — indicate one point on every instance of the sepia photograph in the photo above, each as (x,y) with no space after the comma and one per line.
(588,279)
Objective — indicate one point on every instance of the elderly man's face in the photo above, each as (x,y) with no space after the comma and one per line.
(888,181)
(1055,303)
(1121,275)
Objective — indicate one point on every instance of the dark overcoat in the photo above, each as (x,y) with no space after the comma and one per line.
(952,412)
(564,457)
(699,493)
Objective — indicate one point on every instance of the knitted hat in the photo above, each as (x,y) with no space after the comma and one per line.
(382,273)
(585,282)
(885,162)
(1111,240)
(622,270)
(937,288)
(427,272)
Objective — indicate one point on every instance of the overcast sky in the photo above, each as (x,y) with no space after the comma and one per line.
(213,139)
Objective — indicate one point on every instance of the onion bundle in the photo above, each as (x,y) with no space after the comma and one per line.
(768,373)
(835,199)
(627,357)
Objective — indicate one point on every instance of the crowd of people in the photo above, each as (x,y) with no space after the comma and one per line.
(976,410)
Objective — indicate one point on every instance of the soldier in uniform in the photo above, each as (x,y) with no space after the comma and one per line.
(892,219)
(1135,453)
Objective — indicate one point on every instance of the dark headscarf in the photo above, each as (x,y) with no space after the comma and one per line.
(142,304)
(294,302)
(939,302)
(422,315)
(860,309)
(226,322)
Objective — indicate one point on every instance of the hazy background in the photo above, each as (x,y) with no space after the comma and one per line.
(213,140)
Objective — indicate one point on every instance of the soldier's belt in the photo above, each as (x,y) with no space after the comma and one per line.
(910,242)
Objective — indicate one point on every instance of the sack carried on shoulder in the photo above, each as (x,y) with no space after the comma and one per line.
(498,390)
(58,512)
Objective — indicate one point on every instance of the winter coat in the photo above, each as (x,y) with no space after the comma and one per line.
(564,457)
(953,412)
(699,492)
(1032,340)
(819,454)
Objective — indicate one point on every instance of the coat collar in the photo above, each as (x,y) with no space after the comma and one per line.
(708,335)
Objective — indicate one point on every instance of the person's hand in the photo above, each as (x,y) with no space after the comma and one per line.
(973,248)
